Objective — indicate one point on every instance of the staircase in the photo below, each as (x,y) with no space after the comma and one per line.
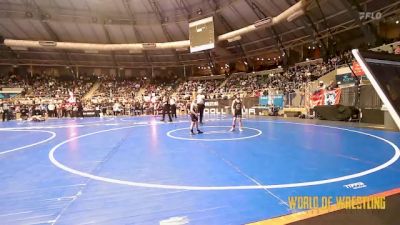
(92,90)
(225,81)
(141,90)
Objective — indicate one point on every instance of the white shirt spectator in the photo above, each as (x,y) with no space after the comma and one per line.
(200,99)
(172,101)
(51,107)
(5,106)
(116,106)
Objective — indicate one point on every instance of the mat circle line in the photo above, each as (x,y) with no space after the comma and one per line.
(169,134)
(58,164)
(53,135)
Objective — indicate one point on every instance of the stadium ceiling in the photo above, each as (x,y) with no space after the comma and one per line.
(160,21)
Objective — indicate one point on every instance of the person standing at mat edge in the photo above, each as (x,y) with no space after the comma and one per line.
(166,108)
(4,109)
(194,118)
(237,106)
(172,102)
(200,104)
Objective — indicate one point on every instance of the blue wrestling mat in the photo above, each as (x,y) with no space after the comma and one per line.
(137,170)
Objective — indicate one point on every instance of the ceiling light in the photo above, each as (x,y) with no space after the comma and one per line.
(28,14)
(45,17)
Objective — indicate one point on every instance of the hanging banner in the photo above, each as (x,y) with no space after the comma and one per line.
(325,97)
(332,97)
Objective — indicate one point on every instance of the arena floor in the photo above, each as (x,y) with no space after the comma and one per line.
(137,170)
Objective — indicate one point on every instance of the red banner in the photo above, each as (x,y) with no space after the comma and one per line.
(317,98)
(357,69)
(325,97)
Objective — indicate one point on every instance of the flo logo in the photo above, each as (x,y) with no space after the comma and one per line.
(357,185)
(370,15)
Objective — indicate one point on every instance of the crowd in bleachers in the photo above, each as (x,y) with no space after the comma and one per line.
(42,93)
(51,96)
(12,81)
(50,87)
(132,97)
(185,90)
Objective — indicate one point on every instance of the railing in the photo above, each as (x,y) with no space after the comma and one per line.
(295,99)
(348,96)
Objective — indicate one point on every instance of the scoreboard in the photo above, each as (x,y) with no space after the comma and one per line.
(201,35)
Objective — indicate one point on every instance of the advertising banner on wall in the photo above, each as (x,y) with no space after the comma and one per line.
(223,106)
(7,95)
(344,77)
(357,69)
(276,100)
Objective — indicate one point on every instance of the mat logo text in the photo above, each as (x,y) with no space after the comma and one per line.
(357,185)
(340,202)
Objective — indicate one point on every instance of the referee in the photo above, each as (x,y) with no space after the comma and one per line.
(172,102)
(5,109)
(166,108)
(200,104)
